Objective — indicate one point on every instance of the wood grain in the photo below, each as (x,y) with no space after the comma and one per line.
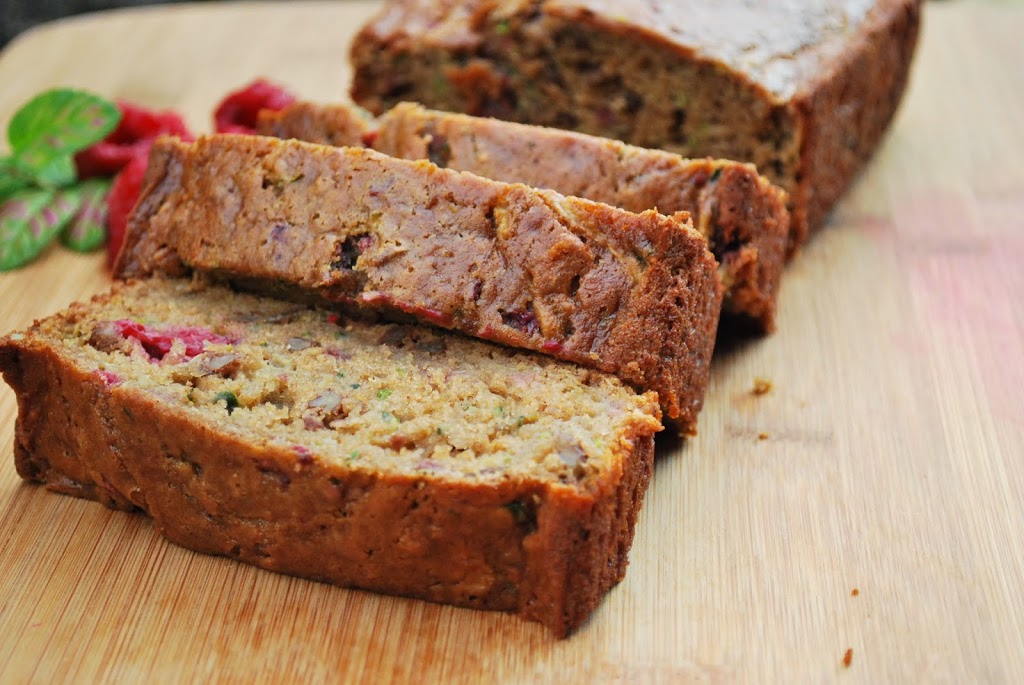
(892,463)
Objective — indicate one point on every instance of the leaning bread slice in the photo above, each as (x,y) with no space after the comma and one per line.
(636,295)
(803,89)
(339,125)
(399,459)
(742,215)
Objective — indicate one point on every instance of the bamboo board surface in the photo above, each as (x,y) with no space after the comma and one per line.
(893,463)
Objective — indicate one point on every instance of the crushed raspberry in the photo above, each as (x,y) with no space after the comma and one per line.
(158,342)
(303,453)
(239,111)
(109,378)
(137,130)
(434,316)
(123,195)
(369,138)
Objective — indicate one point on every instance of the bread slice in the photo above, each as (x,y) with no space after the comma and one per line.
(338,125)
(399,459)
(803,90)
(742,215)
(636,295)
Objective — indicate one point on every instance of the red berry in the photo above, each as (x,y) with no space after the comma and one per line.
(109,378)
(157,342)
(132,138)
(239,111)
(124,193)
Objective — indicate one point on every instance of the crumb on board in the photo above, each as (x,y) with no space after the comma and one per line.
(848,657)
(854,592)
(762,386)
(763,436)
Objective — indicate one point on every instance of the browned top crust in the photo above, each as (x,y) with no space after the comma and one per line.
(785,47)
(636,295)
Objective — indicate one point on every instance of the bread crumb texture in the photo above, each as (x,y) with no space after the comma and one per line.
(398,398)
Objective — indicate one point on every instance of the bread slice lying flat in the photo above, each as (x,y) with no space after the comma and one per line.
(742,215)
(636,295)
(400,459)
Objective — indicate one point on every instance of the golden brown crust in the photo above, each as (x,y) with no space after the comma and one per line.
(599,539)
(741,214)
(636,295)
(543,550)
(848,107)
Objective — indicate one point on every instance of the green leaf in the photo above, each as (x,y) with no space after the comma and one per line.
(10,185)
(57,124)
(18,244)
(59,172)
(11,178)
(30,220)
(62,119)
(87,231)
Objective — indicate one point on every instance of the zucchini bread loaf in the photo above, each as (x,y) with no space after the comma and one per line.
(803,89)
(636,295)
(399,459)
(741,214)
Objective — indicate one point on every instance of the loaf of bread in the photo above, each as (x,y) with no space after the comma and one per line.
(804,90)
(636,295)
(741,214)
(400,459)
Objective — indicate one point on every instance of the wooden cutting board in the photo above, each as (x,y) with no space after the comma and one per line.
(882,513)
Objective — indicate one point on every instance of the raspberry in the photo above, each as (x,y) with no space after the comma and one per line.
(158,341)
(122,197)
(109,378)
(239,111)
(132,137)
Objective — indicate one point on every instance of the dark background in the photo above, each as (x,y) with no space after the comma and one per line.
(19,15)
